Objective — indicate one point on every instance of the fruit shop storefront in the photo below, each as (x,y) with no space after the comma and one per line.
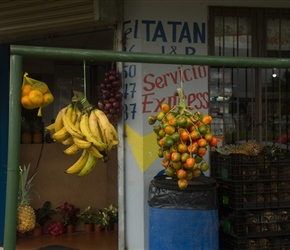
(18,51)
(220,90)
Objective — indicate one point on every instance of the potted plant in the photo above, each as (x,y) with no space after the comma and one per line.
(42,215)
(69,215)
(86,216)
(102,220)
(112,212)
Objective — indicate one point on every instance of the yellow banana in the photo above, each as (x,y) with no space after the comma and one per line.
(95,152)
(115,136)
(60,135)
(88,167)
(102,123)
(105,128)
(70,127)
(79,164)
(71,150)
(58,123)
(94,126)
(114,144)
(76,113)
(82,143)
(85,129)
(50,128)
(114,132)
(69,141)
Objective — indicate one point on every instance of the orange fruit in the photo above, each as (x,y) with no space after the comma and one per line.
(208,136)
(167,154)
(176,165)
(202,142)
(156,129)
(165,108)
(184,157)
(181,122)
(175,136)
(169,116)
(160,116)
(36,97)
(41,86)
(173,148)
(160,152)
(201,151)
(182,183)
(195,134)
(181,148)
(203,129)
(181,173)
(170,171)
(196,172)
(198,158)
(26,103)
(192,148)
(26,89)
(151,119)
(195,166)
(173,121)
(189,175)
(206,119)
(169,129)
(165,163)
(189,163)
(184,135)
(161,133)
(168,141)
(188,122)
(175,156)
(204,166)
(213,142)
(47,99)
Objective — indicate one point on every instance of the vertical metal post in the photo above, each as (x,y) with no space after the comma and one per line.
(13,152)
(4,106)
(121,165)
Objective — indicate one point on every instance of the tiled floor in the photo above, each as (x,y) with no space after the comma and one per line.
(107,240)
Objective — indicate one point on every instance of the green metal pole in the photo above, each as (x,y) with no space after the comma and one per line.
(13,152)
(115,56)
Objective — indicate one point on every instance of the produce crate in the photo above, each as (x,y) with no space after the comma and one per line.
(259,194)
(255,223)
(236,168)
(252,182)
(228,242)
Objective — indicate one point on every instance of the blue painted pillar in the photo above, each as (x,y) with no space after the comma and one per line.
(4,112)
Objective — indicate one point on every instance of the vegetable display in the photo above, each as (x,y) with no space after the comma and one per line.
(111,104)
(183,138)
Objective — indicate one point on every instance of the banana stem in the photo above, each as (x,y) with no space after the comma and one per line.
(80,97)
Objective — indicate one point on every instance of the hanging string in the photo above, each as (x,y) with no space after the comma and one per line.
(85,84)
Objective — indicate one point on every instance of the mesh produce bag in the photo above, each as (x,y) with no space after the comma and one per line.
(35,94)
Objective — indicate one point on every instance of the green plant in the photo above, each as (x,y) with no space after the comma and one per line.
(112,212)
(43,214)
(69,213)
(102,219)
(86,216)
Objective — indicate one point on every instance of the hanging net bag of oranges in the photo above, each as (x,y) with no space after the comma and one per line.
(35,94)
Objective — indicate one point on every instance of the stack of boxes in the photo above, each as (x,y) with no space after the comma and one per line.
(254,201)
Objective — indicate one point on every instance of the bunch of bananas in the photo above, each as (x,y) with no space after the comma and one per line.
(88,131)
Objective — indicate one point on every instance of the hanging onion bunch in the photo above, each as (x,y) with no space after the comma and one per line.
(112,97)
